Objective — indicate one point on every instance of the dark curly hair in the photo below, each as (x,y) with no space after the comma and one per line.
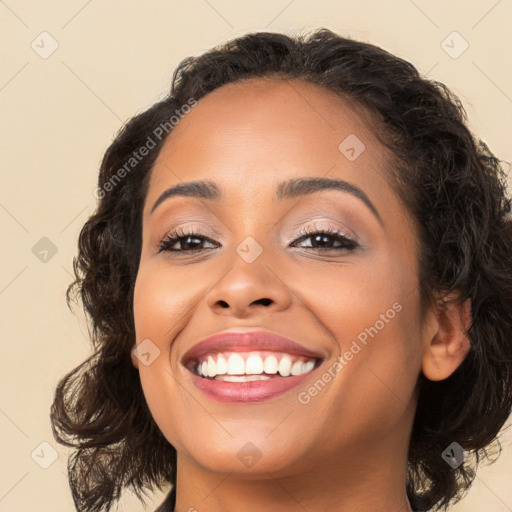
(453,186)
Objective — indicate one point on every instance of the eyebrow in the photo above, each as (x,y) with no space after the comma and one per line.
(295,187)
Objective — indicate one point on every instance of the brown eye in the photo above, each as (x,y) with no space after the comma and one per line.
(186,242)
(326,239)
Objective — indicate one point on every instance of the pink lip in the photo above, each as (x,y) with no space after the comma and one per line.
(252,391)
(247,392)
(247,342)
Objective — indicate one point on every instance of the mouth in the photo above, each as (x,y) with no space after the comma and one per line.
(249,366)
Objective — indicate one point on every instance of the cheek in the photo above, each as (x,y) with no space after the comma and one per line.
(370,312)
(162,299)
(352,296)
(159,303)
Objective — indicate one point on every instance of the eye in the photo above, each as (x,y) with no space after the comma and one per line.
(190,241)
(326,239)
(321,239)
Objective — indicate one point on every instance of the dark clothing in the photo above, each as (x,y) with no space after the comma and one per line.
(169,503)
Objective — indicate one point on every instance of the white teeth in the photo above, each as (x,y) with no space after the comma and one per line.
(271,365)
(222,366)
(296,368)
(212,367)
(242,378)
(255,365)
(308,366)
(285,366)
(236,365)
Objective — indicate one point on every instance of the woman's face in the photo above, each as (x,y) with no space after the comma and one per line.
(351,298)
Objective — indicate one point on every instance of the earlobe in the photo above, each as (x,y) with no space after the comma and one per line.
(450,345)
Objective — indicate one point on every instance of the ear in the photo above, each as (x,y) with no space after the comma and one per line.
(448,347)
(135,360)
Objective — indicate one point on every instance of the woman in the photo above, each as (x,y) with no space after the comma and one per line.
(299,280)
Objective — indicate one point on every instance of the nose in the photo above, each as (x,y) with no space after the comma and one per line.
(246,288)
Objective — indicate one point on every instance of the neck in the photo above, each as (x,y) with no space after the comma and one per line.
(356,481)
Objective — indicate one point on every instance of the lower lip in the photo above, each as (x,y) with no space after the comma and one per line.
(248,392)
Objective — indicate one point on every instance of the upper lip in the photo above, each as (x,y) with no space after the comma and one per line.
(247,341)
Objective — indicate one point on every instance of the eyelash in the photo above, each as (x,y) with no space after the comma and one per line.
(177,235)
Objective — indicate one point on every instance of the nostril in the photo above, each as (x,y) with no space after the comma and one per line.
(265,302)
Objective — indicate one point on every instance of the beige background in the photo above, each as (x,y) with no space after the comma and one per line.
(115,58)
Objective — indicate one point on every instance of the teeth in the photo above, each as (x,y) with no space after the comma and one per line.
(212,367)
(254,365)
(232,367)
(285,366)
(222,366)
(271,365)
(296,368)
(242,378)
(308,366)
(236,365)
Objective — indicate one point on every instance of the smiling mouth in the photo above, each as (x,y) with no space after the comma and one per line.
(251,366)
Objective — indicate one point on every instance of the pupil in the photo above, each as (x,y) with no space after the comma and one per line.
(321,239)
(189,238)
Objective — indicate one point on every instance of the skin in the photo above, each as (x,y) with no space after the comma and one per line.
(346,449)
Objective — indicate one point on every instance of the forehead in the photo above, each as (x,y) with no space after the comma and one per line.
(248,133)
